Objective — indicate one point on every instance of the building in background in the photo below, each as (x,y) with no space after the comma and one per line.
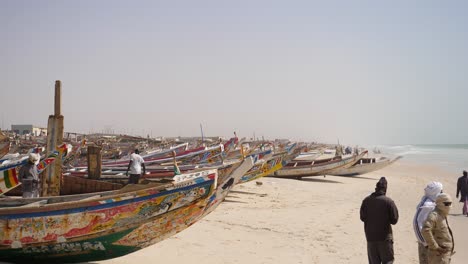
(29,130)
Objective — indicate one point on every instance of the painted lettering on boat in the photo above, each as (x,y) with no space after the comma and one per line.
(66,247)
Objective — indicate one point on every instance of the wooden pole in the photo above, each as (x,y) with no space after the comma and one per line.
(51,177)
(58,99)
(94,162)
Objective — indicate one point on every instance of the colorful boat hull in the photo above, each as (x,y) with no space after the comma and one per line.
(89,229)
(263,169)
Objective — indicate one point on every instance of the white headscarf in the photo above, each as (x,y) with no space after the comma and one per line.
(34,158)
(433,189)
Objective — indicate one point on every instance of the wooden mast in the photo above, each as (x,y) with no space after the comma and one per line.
(52,175)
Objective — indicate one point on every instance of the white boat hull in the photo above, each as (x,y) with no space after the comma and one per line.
(359,169)
(317,169)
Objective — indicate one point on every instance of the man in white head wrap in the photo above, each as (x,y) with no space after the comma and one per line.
(437,233)
(425,206)
(29,177)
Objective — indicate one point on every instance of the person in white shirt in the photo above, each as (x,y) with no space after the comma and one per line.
(425,206)
(135,165)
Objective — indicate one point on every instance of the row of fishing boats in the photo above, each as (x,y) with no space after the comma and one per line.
(105,224)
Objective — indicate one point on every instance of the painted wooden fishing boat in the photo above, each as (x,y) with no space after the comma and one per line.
(78,228)
(308,156)
(299,169)
(268,163)
(363,166)
(198,155)
(116,174)
(177,220)
(263,168)
(181,148)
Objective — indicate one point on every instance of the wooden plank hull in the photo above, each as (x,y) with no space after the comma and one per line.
(90,229)
(155,155)
(180,219)
(359,169)
(199,155)
(265,168)
(313,169)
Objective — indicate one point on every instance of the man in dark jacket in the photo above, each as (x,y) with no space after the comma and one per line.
(379,212)
(462,188)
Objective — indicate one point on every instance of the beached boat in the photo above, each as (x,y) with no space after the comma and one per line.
(197,155)
(299,169)
(308,156)
(77,228)
(263,168)
(363,166)
(177,220)
(153,172)
(156,155)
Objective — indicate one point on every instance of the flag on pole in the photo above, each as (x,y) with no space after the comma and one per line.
(8,180)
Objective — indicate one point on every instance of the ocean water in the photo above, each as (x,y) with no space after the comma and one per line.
(451,157)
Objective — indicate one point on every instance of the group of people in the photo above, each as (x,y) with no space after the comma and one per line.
(435,238)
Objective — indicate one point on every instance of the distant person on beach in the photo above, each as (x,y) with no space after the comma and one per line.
(135,165)
(29,177)
(424,208)
(379,212)
(437,233)
(462,189)
(348,150)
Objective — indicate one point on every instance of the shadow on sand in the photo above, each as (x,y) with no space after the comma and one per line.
(355,177)
(233,201)
(320,180)
(250,193)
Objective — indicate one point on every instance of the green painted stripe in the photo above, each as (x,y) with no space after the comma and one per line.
(6,177)
(100,248)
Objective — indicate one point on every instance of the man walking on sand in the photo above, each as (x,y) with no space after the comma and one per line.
(462,189)
(437,233)
(424,208)
(379,212)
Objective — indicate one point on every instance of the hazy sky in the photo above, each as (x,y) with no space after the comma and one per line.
(365,72)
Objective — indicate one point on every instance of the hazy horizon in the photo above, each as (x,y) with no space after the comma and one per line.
(362,73)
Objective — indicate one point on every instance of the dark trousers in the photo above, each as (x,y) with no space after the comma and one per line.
(465,207)
(380,252)
(134,178)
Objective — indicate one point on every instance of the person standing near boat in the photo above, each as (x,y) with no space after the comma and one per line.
(462,189)
(135,166)
(379,212)
(437,233)
(29,177)
(424,208)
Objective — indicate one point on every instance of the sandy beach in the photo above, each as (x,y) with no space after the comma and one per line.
(315,220)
